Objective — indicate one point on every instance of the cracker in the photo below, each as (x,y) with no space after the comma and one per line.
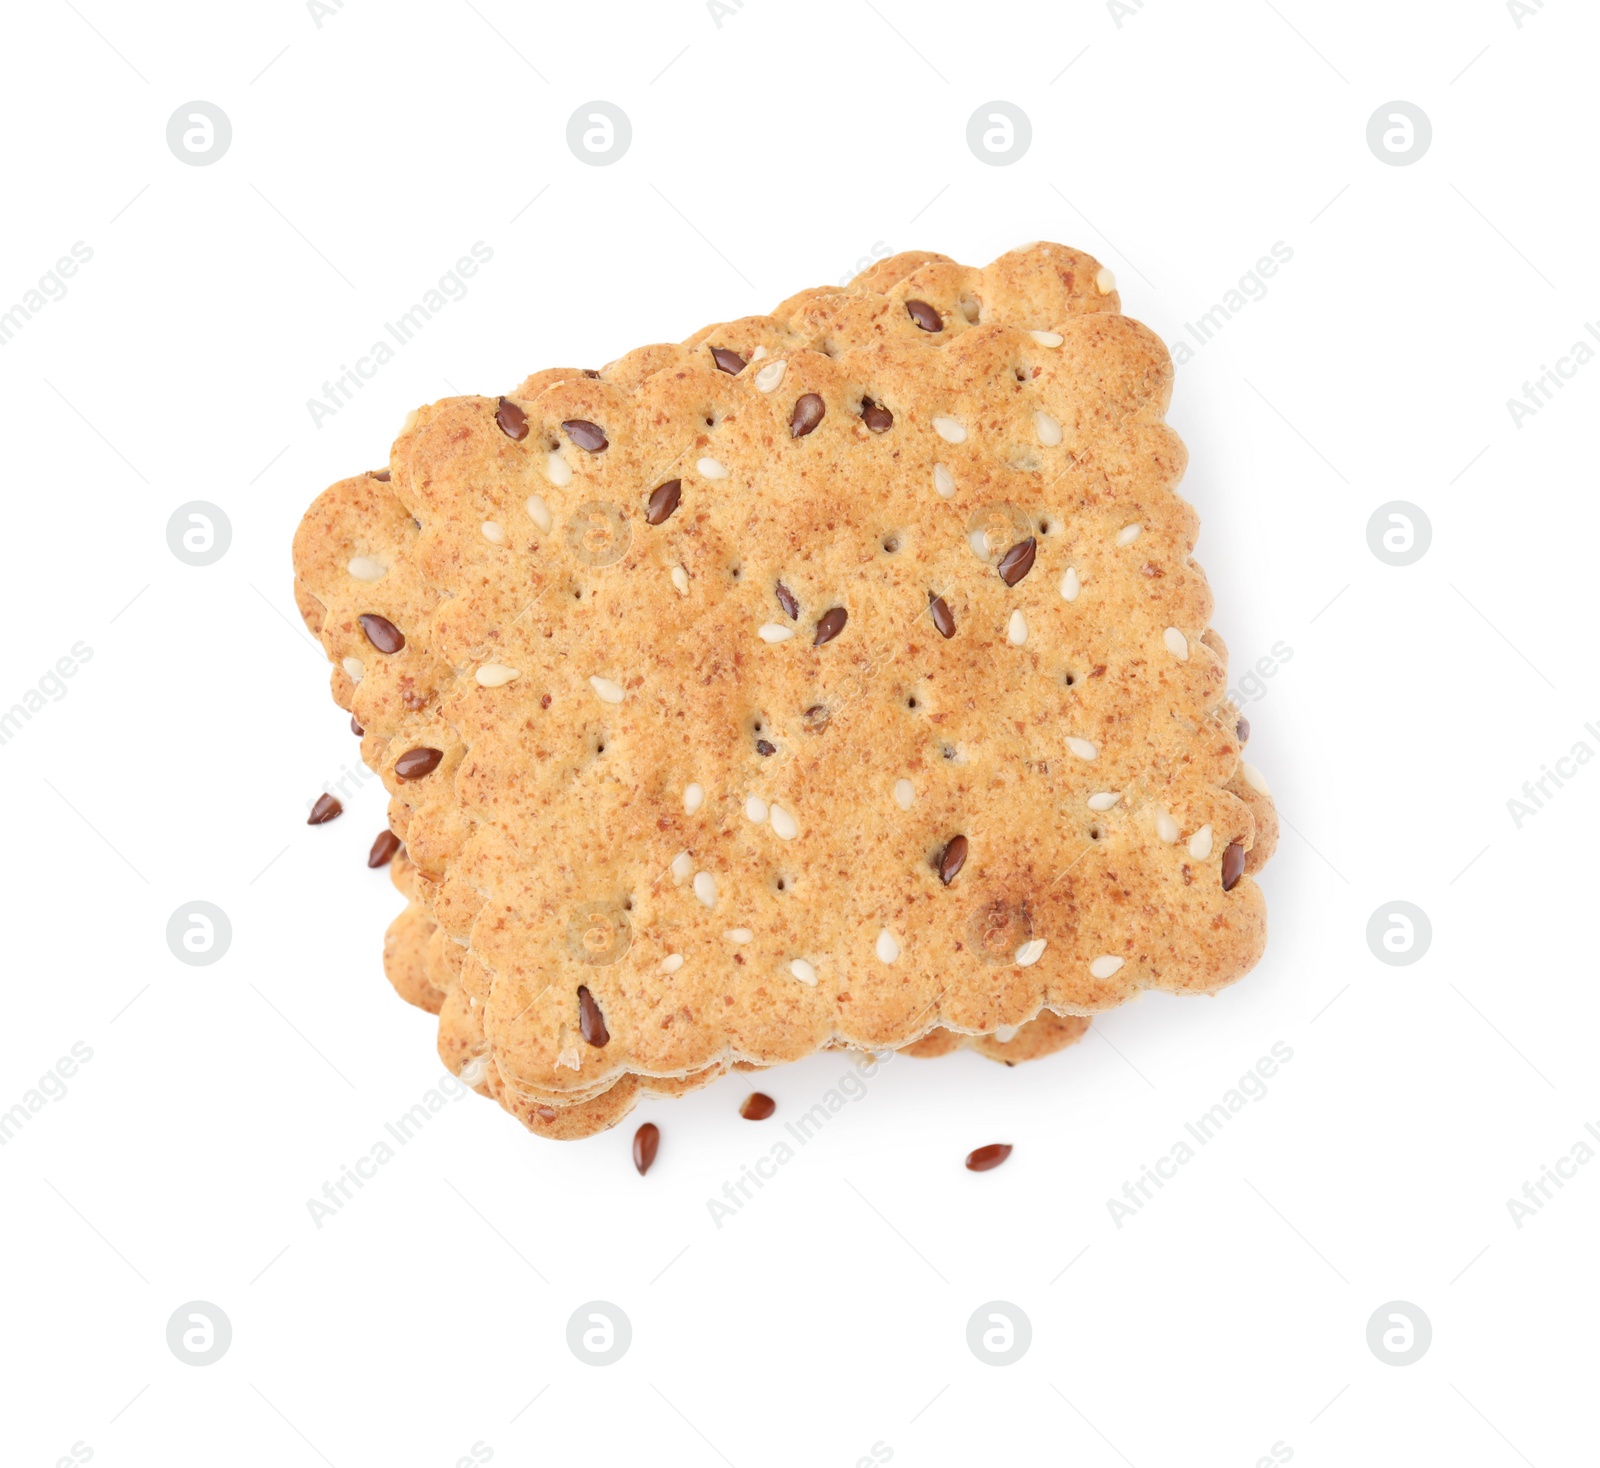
(547,830)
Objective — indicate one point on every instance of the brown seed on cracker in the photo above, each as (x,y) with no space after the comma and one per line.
(877,417)
(382,475)
(829,625)
(383,849)
(325,810)
(355,728)
(645,1142)
(943,618)
(1018,561)
(925,316)
(587,435)
(728,360)
(1242,730)
(808,412)
(663,501)
(415,763)
(1232,866)
(591,1022)
(758,1106)
(951,859)
(381,632)
(982,1159)
(765,747)
(786,600)
(512,420)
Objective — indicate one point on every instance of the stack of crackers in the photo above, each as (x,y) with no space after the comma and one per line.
(839,678)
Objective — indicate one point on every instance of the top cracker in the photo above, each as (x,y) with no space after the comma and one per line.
(832,676)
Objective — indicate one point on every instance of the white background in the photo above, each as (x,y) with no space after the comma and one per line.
(771,153)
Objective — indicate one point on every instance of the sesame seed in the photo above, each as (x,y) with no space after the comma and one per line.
(681,867)
(1070,585)
(672,963)
(1128,534)
(904,793)
(738,935)
(1166,827)
(1030,952)
(705,888)
(1200,843)
(1106,965)
(473,1072)
(556,469)
(943,481)
(1177,644)
(495,675)
(979,541)
(758,354)
(539,511)
(1047,428)
(1047,338)
(1005,1034)
(755,809)
(887,947)
(1253,778)
(1104,281)
(409,424)
(693,796)
(680,579)
(711,468)
(1104,799)
(1082,748)
(570,1058)
(951,430)
(775,632)
(354,670)
(783,824)
(493,532)
(804,972)
(768,378)
(1017,629)
(364,568)
(606,690)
